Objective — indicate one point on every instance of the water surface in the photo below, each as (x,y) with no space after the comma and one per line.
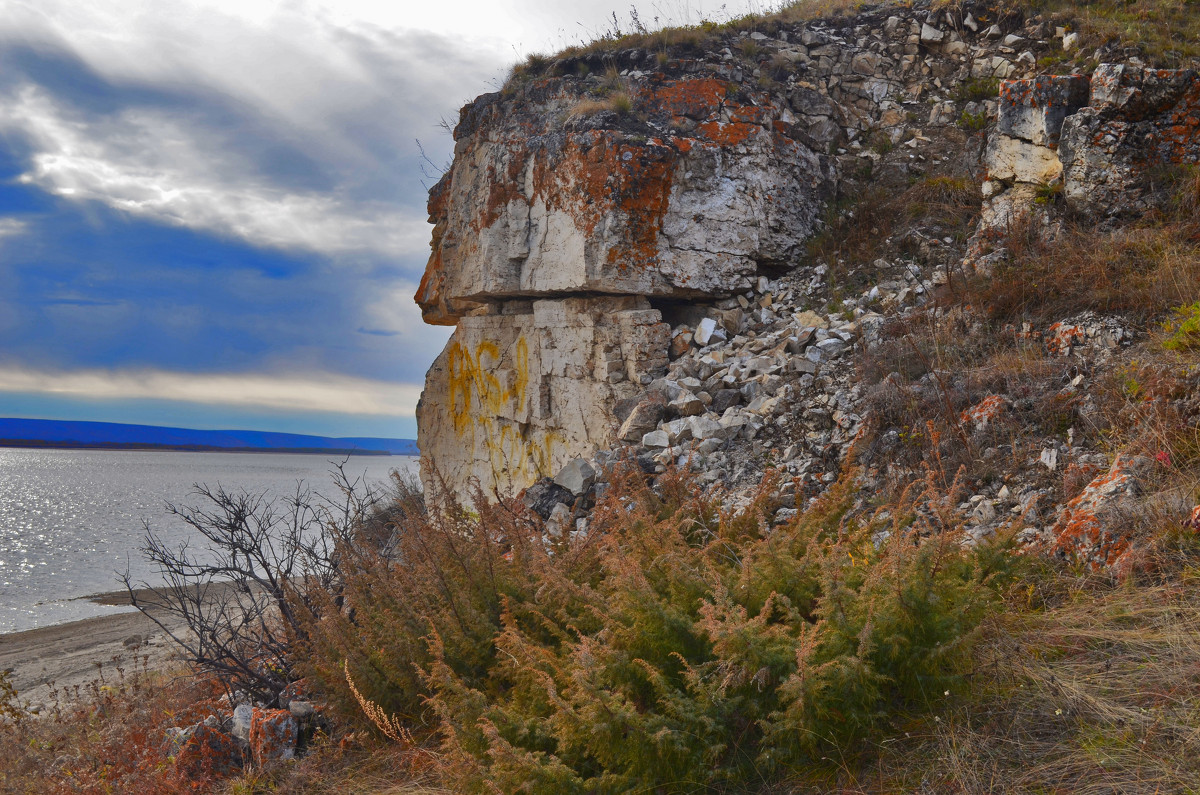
(71,519)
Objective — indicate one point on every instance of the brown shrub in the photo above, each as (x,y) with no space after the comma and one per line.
(108,736)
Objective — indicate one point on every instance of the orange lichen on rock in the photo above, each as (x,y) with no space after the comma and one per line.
(1085,529)
(545,199)
(696,99)
(273,734)
(1193,522)
(1061,338)
(728,134)
(984,412)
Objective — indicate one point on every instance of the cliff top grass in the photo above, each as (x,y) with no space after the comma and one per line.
(1166,33)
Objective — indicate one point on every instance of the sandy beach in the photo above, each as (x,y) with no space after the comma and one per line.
(65,655)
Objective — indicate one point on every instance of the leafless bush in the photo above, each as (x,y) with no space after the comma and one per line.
(236,592)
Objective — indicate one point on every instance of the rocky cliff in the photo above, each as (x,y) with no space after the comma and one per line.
(629,241)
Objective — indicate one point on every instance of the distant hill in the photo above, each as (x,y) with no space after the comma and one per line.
(112,435)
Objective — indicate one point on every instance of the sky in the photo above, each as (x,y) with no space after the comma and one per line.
(212,214)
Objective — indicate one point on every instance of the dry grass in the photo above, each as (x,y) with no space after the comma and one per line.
(1095,693)
(106,737)
(1141,271)
(1144,268)
(1167,31)
(874,223)
(355,766)
(682,39)
(590,107)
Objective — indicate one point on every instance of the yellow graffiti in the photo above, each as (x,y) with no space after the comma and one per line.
(481,389)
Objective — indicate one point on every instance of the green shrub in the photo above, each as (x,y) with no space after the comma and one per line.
(1048,193)
(976,89)
(973,122)
(1184,329)
(677,647)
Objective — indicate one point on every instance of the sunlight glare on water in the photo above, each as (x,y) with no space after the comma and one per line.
(71,519)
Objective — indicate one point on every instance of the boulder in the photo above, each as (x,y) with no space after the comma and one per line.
(686,404)
(273,735)
(705,331)
(243,716)
(576,477)
(644,418)
(202,751)
(656,440)
(543,495)
(1089,528)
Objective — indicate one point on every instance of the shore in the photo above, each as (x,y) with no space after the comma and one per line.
(64,656)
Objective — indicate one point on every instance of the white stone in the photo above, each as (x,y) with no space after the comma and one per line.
(704,428)
(687,404)
(243,715)
(656,440)
(576,477)
(1012,159)
(559,520)
(984,512)
(679,430)
(809,319)
(704,331)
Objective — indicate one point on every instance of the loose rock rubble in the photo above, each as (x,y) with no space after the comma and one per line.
(228,739)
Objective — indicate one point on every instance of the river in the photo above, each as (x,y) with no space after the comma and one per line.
(71,519)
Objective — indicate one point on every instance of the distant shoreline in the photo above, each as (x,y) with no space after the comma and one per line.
(37,444)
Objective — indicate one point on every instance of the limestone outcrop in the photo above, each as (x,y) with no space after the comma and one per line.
(622,209)
(516,394)
(562,214)
(1102,142)
(687,192)
(1138,122)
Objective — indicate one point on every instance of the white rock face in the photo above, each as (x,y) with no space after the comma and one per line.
(551,230)
(1138,119)
(1097,139)
(514,397)
(539,202)
(1022,155)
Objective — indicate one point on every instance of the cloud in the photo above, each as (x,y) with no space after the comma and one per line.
(276,124)
(11,227)
(283,393)
(149,163)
